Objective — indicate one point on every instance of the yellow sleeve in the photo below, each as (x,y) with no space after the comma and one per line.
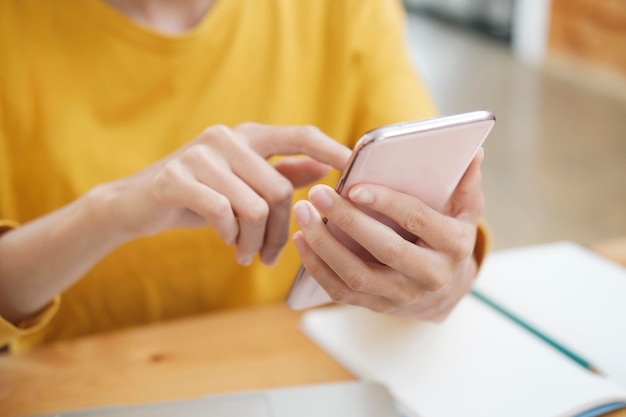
(483,243)
(10,331)
(6,225)
(391,90)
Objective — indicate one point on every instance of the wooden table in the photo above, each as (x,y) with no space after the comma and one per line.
(227,351)
(223,352)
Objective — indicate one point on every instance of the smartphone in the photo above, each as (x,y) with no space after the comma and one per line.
(424,158)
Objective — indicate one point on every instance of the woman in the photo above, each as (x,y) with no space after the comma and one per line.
(147,157)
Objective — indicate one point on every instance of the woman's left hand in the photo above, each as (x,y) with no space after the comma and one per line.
(425,279)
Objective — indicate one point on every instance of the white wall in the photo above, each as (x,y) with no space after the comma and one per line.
(531,22)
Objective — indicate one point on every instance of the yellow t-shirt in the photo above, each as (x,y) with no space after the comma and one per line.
(88,96)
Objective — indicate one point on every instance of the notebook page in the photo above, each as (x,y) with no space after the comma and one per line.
(474,364)
(568,292)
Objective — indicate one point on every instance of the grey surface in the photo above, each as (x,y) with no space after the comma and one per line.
(342,399)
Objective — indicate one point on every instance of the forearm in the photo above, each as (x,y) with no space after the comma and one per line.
(220,180)
(42,258)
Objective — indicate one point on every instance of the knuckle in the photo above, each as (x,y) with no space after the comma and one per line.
(215,130)
(169,175)
(220,207)
(172,169)
(316,270)
(356,281)
(215,133)
(246,126)
(316,240)
(310,131)
(282,192)
(392,252)
(193,155)
(408,295)
(463,243)
(416,220)
(307,134)
(433,277)
(255,212)
(246,132)
(339,295)
(347,222)
(438,282)
(381,307)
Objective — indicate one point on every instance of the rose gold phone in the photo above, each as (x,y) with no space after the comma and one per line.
(425,158)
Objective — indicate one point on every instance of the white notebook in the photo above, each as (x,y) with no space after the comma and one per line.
(479,362)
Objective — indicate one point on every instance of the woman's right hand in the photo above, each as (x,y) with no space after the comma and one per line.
(223,179)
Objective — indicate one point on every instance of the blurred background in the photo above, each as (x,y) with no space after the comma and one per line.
(554,73)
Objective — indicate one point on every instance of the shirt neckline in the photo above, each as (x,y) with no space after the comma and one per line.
(118,23)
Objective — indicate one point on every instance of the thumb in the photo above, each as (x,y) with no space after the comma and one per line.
(301,171)
(467,200)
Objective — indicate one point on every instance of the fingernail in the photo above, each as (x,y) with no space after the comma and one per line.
(321,197)
(361,195)
(301,213)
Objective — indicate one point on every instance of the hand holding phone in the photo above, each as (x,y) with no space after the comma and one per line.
(424,159)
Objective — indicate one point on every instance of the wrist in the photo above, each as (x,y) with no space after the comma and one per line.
(43,257)
(100,205)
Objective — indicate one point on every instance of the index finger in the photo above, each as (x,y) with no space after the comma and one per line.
(270,141)
(437,230)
